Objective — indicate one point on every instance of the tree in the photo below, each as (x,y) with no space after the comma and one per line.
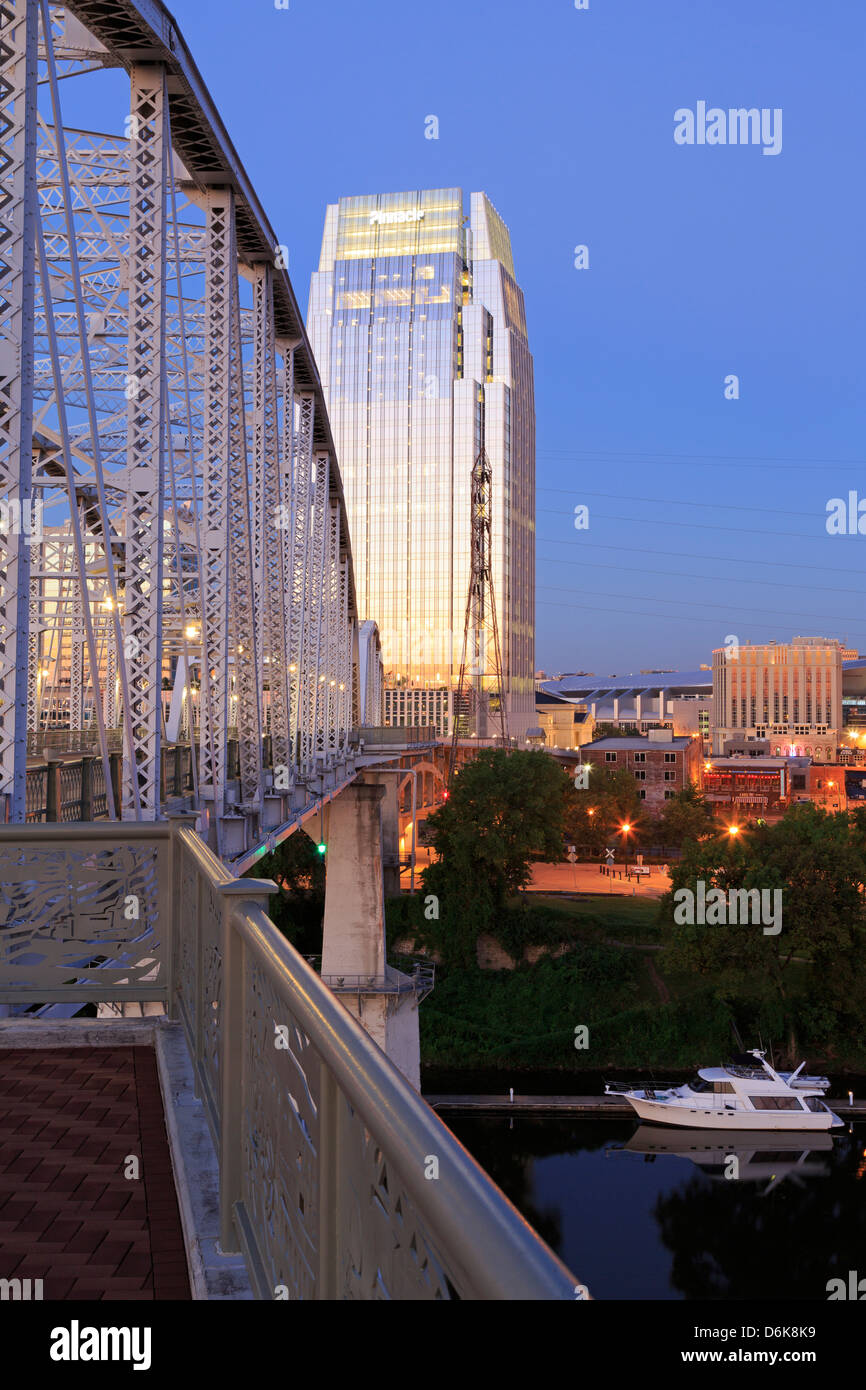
(505,810)
(686,816)
(297,909)
(594,815)
(811,967)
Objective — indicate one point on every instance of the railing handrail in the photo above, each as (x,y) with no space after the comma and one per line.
(113,831)
(209,864)
(462,1208)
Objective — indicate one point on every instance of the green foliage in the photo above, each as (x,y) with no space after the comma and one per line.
(297,909)
(686,816)
(812,969)
(526,1017)
(505,810)
(593,816)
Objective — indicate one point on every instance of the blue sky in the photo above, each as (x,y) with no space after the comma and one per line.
(707,515)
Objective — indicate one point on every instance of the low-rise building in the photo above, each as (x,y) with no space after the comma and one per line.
(755,787)
(660,763)
(565,724)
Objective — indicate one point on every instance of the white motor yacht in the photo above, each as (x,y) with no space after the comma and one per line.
(746,1094)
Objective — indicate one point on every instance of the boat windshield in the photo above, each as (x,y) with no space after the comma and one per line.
(698,1083)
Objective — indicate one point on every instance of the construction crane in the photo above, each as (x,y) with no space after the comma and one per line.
(481,622)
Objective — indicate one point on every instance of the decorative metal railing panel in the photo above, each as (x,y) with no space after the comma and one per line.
(82,917)
(386,1251)
(70,792)
(280,1139)
(36,793)
(100,801)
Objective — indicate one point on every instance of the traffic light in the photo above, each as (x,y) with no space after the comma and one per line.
(322,847)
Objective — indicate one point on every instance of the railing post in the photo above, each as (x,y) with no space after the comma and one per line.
(87,788)
(115,761)
(258,891)
(176,921)
(52,787)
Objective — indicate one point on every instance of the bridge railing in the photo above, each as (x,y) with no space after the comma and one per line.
(337,1180)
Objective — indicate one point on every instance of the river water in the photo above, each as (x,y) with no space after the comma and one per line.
(639,1212)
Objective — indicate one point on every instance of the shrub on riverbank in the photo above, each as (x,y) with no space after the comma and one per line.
(527,1017)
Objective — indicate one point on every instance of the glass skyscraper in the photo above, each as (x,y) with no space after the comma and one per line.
(419,331)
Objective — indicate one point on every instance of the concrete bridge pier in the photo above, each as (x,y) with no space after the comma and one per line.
(391,786)
(353,944)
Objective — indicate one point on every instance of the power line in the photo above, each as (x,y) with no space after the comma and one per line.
(700,526)
(690,555)
(685,574)
(725,607)
(634,613)
(774,461)
(671,502)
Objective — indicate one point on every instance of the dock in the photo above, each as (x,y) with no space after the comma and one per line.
(584,1105)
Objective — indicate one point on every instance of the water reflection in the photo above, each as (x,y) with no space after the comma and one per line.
(646,1213)
(768,1158)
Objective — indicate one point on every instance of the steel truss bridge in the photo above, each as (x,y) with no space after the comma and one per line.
(176,572)
(174,550)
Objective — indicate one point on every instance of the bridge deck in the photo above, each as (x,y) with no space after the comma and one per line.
(69,1119)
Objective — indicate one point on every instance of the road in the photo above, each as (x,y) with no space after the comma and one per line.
(572,878)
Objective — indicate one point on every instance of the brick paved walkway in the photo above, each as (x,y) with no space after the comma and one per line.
(69,1118)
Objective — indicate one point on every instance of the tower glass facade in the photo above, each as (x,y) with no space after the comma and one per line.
(419,331)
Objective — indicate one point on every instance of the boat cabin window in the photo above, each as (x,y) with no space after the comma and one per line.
(723,1088)
(813,1103)
(776,1102)
(698,1084)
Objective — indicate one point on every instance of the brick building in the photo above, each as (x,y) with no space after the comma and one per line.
(660,763)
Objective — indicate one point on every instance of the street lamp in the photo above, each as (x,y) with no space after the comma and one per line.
(733,830)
